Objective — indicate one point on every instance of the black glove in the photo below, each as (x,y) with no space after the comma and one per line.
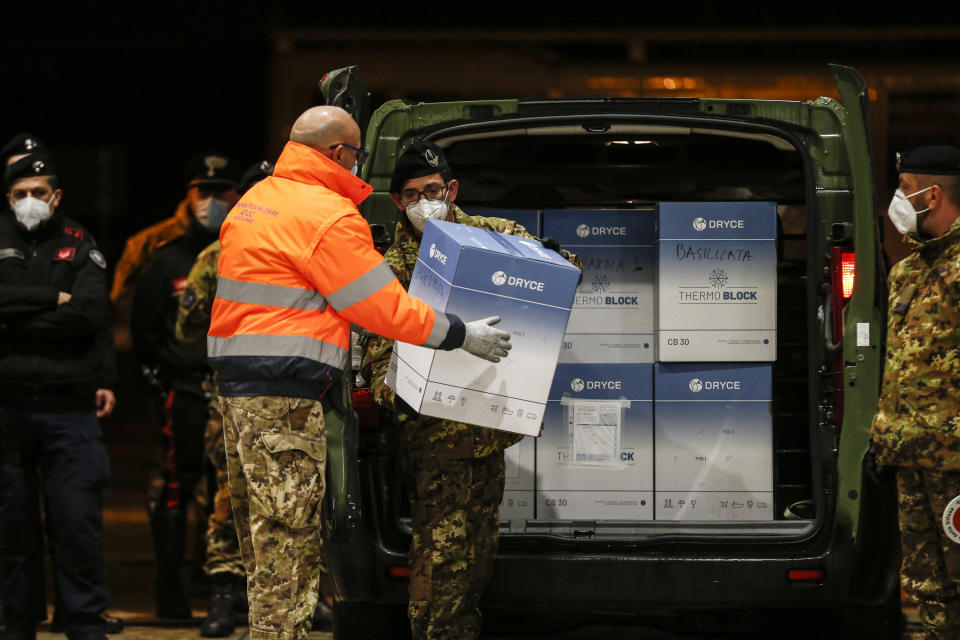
(550,243)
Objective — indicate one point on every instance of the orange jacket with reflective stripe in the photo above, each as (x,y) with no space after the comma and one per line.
(297,266)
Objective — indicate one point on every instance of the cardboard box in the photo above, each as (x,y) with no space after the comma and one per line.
(474,274)
(528,218)
(518,495)
(714,441)
(717,282)
(613,313)
(595,457)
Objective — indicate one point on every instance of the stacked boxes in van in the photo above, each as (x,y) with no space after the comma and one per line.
(716,330)
(595,455)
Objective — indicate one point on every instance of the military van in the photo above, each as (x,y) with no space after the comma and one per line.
(825,562)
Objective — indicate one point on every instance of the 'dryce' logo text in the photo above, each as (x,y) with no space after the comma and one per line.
(699,224)
(697,385)
(578,384)
(586,230)
(437,254)
(500,278)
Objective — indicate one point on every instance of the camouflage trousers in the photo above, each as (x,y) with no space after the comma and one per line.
(223,546)
(455,514)
(931,561)
(276,452)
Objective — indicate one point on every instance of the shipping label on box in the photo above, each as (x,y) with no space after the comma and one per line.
(717,282)
(613,313)
(595,456)
(518,495)
(529,219)
(714,441)
(474,274)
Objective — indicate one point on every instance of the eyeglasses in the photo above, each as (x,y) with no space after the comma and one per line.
(361,154)
(432,191)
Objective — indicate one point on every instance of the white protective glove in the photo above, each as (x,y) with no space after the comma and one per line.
(483,341)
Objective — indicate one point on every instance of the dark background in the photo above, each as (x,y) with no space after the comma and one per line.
(124,94)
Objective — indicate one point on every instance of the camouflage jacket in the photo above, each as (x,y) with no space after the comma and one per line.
(918,417)
(427,436)
(196,303)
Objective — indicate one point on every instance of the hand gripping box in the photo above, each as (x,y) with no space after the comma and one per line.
(595,456)
(475,274)
(717,282)
(613,313)
(518,496)
(714,441)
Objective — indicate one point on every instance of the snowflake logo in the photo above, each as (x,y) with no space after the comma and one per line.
(600,283)
(718,278)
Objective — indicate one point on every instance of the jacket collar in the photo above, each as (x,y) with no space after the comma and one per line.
(949,236)
(300,163)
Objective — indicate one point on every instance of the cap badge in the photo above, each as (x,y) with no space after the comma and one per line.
(264,165)
(432,158)
(37,166)
(213,163)
(29,144)
(898,161)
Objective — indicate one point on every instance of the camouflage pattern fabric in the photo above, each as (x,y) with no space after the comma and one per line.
(931,561)
(918,418)
(137,253)
(223,546)
(455,516)
(276,452)
(430,436)
(196,303)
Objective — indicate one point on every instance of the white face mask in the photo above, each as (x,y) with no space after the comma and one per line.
(422,210)
(901,211)
(356,169)
(30,211)
(211,213)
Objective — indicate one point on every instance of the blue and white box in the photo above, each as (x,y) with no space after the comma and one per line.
(518,491)
(714,441)
(717,282)
(475,273)
(595,456)
(613,313)
(529,219)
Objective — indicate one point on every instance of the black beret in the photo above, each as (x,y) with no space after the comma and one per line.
(29,166)
(257,172)
(213,169)
(20,144)
(420,159)
(935,160)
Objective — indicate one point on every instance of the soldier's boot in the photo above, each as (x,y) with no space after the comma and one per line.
(169,535)
(221,617)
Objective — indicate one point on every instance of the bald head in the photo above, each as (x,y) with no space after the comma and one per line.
(321,127)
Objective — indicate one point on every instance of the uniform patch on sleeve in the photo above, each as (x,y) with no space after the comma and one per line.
(98,259)
(189,297)
(178,284)
(73,231)
(66,254)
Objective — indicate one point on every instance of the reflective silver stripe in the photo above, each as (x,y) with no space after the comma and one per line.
(271,295)
(280,346)
(441,326)
(361,288)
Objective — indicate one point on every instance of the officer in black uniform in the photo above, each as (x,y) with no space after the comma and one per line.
(54,307)
(181,374)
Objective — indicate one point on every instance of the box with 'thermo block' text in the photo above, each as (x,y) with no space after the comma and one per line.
(717,282)
(475,273)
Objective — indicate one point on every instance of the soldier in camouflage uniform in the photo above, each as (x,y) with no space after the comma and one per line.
(917,425)
(455,471)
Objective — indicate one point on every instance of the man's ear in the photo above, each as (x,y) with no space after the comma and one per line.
(452,190)
(57,196)
(396,201)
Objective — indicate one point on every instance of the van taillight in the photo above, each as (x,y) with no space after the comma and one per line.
(843,269)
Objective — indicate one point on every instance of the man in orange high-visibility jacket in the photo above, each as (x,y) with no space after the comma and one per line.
(297,266)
